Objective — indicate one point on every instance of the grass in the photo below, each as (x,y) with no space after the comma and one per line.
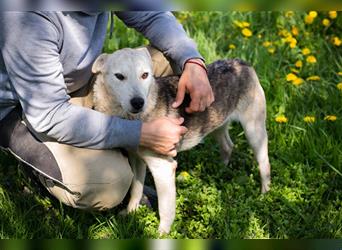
(214,201)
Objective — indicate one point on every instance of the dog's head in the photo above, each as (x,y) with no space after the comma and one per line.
(127,75)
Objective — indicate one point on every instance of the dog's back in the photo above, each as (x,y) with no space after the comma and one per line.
(230,81)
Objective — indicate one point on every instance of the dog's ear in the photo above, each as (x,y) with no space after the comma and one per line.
(99,63)
(145,51)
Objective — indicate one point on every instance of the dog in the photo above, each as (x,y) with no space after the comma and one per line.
(124,86)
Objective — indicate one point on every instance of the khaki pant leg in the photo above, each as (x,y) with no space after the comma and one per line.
(161,65)
(95,179)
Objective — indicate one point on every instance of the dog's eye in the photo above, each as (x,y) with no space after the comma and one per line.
(119,76)
(144,76)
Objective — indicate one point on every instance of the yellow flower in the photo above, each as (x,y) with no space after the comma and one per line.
(299,64)
(340,73)
(242,24)
(313,78)
(339,86)
(330,118)
(247,32)
(336,41)
(332,14)
(271,50)
(297,81)
(294,31)
(306,51)
(313,14)
(311,59)
(259,36)
(293,44)
(284,33)
(281,119)
(185,174)
(308,19)
(232,46)
(289,13)
(291,77)
(326,22)
(245,24)
(267,44)
(309,119)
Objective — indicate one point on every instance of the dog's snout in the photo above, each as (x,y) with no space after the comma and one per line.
(137,103)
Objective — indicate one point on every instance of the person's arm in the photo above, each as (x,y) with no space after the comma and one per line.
(29,45)
(166,34)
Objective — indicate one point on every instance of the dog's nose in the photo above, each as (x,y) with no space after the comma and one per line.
(137,103)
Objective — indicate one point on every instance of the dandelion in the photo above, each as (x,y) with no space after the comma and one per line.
(340,73)
(294,31)
(297,81)
(308,19)
(299,64)
(339,86)
(266,44)
(326,22)
(309,119)
(281,119)
(245,24)
(332,14)
(232,46)
(331,118)
(293,44)
(289,13)
(246,32)
(271,50)
(313,78)
(311,59)
(242,24)
(306,51)
(259,36)
(284,33)
(336,41)
(313,14)
(291,77)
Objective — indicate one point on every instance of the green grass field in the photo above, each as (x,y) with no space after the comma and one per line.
(215,201)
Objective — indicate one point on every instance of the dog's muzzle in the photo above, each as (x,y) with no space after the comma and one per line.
(137,104)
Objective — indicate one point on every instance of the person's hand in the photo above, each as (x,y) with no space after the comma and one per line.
(194,80)
(162,135)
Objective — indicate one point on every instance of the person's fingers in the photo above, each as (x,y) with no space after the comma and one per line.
(180,96)
(194,104)
(203,104)
(172,153)
(183,130)
(177,121)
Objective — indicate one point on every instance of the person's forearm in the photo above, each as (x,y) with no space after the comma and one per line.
(83,127)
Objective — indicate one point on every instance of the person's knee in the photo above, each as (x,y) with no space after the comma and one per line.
(94,196)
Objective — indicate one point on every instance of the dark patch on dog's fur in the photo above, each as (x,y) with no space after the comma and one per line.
(229,79)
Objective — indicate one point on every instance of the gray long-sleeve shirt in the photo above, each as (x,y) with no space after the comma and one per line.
(45,56)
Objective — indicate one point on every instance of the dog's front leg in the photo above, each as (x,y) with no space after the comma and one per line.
(163,170)
(139,170)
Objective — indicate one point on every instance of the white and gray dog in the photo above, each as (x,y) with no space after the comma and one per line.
(125,87)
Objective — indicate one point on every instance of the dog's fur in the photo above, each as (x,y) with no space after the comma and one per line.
(238,96)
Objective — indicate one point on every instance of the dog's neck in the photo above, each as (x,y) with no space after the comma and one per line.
(105,101)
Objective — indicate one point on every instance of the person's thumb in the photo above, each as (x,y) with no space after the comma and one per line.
(177,121)
(180,96)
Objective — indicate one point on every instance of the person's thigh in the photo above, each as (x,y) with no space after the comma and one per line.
(92,179)
(161,65)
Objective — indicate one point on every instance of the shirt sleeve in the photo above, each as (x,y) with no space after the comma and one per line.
(164,32)
(29,46)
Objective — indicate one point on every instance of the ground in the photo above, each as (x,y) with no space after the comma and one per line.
(298,58)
